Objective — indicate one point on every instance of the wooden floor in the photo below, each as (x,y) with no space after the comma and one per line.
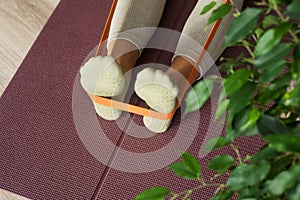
(20,23)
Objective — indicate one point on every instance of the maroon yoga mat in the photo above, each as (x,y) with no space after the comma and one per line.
(119,184)
(50,147)
(41,155)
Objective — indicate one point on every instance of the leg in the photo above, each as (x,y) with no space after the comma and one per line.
(195,33)
(161,95)
(126,60)
(103,76)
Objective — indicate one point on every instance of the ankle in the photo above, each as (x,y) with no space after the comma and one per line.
(125,53)
(180,71)
(128,60)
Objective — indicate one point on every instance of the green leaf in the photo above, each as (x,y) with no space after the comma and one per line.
(284,142)
(248,157)
(270,20)
(215,143)
(208,7)
(296,129)
(270,73)
(279,164)
(230,133)
(271,38)
(222,107)
(221,163)
(293,10)
(269,125)
(235,81)
(249,192)
(192,163)
(198,95)
(280,183)
(246,120)
(267,94)
(252,118)
(296,194)
(277,54)
(224,195)
(273,62)
(189,168)
(296,94)
(296,65)
(155,193)
(241,97)
(248,175)
(264,154)
(258,32)
(182,170)
(219,13)
(242,26)
(295,171)
(281,82)
(251,132)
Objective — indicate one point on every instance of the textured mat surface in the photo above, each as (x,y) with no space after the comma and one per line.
(41,155)
(49,146)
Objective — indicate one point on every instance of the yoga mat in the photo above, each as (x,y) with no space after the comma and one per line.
(41,154)
(49,145)
(125,185)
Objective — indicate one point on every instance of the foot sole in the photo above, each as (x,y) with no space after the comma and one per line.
(103,76)
(160,93)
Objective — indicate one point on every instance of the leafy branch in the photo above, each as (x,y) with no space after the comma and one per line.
(262,97)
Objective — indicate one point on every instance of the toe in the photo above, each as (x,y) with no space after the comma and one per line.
(102,76)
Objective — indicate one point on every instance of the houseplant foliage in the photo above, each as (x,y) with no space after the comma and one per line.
(262,96)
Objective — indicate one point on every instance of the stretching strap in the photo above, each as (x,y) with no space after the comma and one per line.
(140,110)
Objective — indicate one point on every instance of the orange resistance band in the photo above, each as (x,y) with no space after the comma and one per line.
(140,110)
(104,35)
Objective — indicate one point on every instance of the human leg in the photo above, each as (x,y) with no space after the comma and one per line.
(190,45)
(103,75)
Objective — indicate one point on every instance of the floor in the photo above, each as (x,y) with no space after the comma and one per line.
(20,23)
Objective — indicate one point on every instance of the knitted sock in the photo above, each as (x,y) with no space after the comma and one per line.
(156,88)
(103,76)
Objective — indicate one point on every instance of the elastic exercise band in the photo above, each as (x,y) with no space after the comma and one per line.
(104,35)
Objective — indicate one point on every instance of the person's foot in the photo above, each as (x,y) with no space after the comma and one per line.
(160,93)
(103,76)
